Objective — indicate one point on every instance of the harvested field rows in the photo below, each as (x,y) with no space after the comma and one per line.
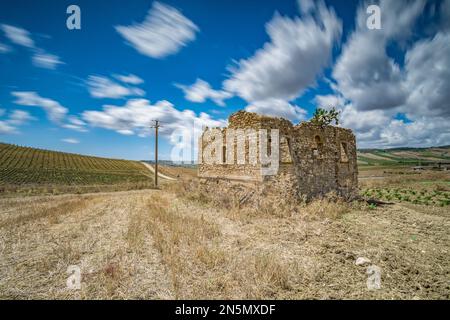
(23,166)
(156,244)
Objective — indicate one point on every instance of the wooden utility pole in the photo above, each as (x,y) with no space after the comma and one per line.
(156,126)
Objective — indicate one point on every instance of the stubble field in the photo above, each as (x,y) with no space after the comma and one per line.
(166,244)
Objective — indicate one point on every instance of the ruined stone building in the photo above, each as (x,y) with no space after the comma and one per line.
(313,160)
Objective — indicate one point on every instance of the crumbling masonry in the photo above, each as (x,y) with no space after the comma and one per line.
(313,161)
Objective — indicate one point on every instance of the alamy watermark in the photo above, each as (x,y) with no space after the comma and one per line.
(73,282)
(373,277)
(373,21)
(215,146)
(73,22)
(239,146)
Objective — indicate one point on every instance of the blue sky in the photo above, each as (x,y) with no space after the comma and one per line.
(96,90)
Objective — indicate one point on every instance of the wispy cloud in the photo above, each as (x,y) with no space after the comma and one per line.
(23,37)
(55,111)
(329,101)
(75,123)
(376,88)
(6,128)
(137,115)
(71,140)
(130,79)
(103,87)
(19,117)
(164,32)
(18,35)
(4,48)
(200,91)
(46,60)
(298,50)
(278,108)
(16,118)
(365,74)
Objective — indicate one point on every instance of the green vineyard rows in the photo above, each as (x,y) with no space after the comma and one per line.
(23,165)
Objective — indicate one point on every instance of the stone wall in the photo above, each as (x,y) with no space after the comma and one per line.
(313,160)
(249,171)
(324,160)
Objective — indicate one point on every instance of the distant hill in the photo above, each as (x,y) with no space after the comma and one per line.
(404,156)
(170,163)
(377,157)
(23,166)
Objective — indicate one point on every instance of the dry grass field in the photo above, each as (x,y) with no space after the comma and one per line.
(159,244)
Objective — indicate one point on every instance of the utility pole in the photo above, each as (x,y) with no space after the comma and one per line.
(156,126)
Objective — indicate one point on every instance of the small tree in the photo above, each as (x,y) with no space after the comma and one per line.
(322,117)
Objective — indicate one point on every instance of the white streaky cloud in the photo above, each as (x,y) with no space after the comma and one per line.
(378,129)
(298,51)
(22,37)
(366,125)
(377,88)
(365,74)
(397,18)
(4,48)
(137,115)
(427,66)
(278,108)
(19,117)
(445,14)
(75,123)
(363,121)
(329,101)
(45,60)
(71,140)
(126,132)
(18,35)
(129,79)
(164,32)
(103,87)
(6,128)
(306,6)
(55,112)
(423,132)
(14,119)
(201,91)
